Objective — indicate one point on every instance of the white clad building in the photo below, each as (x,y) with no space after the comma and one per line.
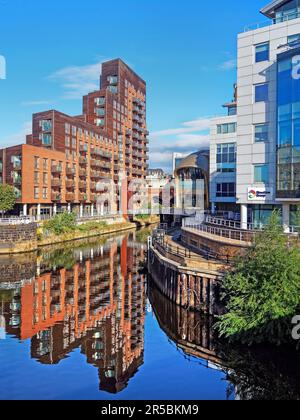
(268,119)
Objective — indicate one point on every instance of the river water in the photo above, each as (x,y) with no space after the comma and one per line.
(83,321)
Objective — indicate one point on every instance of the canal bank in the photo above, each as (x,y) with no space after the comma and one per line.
(185,277)
(23,235)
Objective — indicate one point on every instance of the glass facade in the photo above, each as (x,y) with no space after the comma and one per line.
(288,11)
(226,157)
(261,174)
(288,136)
(261,133)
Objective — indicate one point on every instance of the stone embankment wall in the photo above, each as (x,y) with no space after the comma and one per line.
(18,238)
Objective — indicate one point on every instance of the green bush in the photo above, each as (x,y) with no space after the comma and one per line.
(87,227)
(262,291)
(61,223)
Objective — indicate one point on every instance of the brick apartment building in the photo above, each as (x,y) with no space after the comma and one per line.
(65,158)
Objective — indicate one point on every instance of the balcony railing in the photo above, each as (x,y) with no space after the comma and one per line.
(284,18)
(56,182)
(56,169)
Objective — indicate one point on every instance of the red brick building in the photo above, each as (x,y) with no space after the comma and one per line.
(60,166)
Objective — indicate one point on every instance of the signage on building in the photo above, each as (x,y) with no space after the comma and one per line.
(259,194)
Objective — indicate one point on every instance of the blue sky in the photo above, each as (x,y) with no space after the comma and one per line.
(186,52)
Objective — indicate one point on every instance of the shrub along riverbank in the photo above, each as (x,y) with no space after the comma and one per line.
(63,228)
(261,292)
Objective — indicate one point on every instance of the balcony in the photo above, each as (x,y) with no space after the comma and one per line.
(105,165)
(95,163)
(96,152)
(70,172)
(17,180)
(83,148)
(83,161)
(55,197)
(70,197)
(82,173)
(82,198)
(56,183)
(56,169)
(82,185)
(70,184)
(17,166)
(95,175)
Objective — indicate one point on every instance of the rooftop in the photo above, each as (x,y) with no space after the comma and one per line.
(278,11)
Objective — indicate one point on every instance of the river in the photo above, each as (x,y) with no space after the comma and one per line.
(83,321)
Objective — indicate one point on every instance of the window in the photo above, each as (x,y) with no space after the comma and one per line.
(45,193)
(36,177)
(46,125)
(47,139)
(226,158)
(262,52)
(74,143)
(67,128)
(261,174)
(232,110)
(100,112)
(45,164)
(16,162)
(36,162)
(74,130)
(36,193)
(261,133)
(294,40)
(226,190)
(226,128)
(100,122)
(100,101)
(113,89)
(67,141)
(45,178)
(262,92)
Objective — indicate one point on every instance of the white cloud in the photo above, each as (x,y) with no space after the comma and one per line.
(77,81)
(228,65)
(36,103)
(188,138)
(18,137)
(199,124)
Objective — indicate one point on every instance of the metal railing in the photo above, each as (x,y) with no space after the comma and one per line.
(237,235)
(17,220)
(164,248)
(210,220)
(284,18)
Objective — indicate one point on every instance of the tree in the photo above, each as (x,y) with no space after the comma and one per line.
(7,198)
(262,290)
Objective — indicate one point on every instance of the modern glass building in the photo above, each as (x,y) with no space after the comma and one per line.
(288,137)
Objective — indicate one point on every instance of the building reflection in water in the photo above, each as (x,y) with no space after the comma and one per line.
(92,298)
(256,373)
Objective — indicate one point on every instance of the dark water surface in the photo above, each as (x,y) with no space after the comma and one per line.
(82,321)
